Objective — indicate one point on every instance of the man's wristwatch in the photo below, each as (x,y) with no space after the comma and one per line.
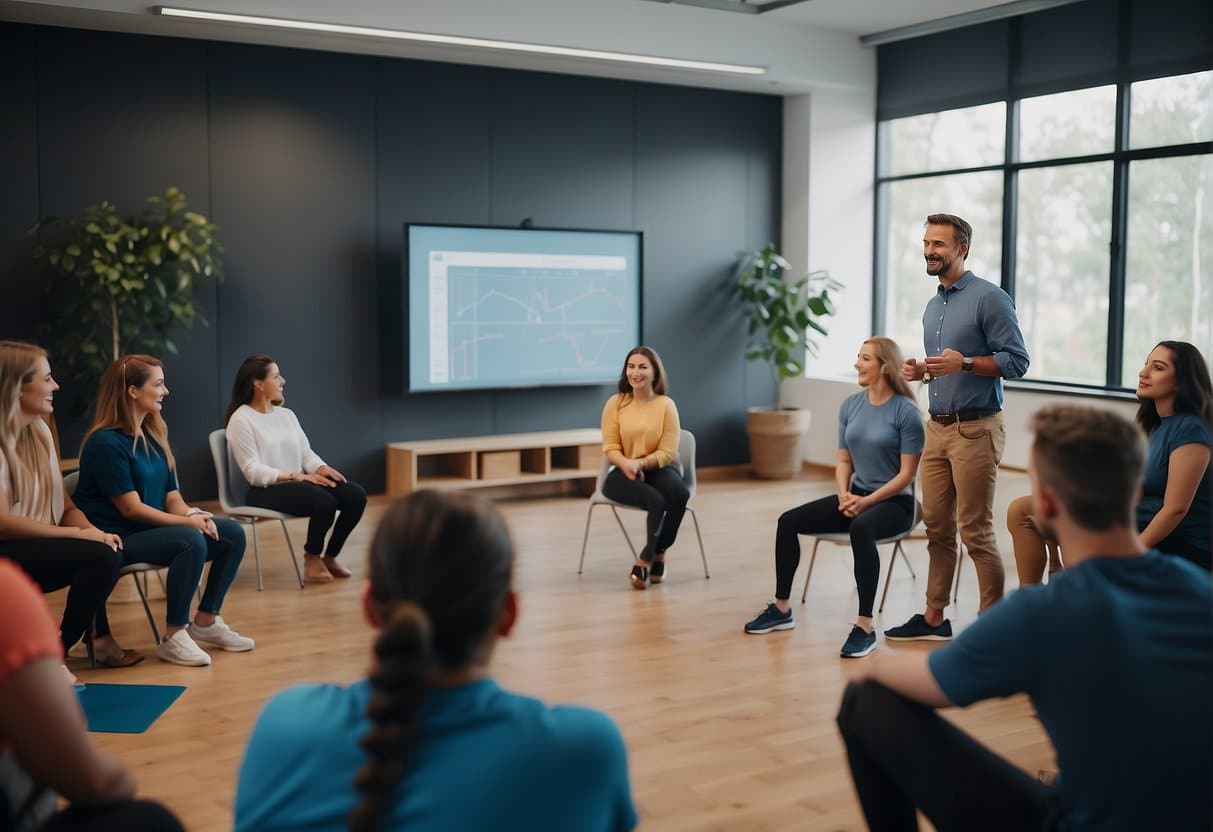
(926,377)
(966,364)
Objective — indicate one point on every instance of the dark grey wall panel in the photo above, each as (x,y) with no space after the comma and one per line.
(562,151)
(121,133)
(24,299)
(434,152)
(563,155)
(112,127)
(693,202)
(293,149)
(312,162)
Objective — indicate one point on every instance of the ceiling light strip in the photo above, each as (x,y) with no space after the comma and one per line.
(452,40)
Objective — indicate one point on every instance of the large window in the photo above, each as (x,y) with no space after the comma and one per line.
(1093,207)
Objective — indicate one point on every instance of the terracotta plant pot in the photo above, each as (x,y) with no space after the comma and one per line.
(775,441)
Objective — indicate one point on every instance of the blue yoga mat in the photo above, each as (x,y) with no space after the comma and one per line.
(126,709)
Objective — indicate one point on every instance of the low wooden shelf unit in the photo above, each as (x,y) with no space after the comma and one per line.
(487,461)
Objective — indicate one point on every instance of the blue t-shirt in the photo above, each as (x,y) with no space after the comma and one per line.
(484,758)
(877,436)
(113,463)
(1117,656)
(1174,432)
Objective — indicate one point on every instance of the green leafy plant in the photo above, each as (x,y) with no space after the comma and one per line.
(783,315)
(120,284)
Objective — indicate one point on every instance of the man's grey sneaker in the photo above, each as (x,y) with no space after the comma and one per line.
(858,643)
(917,629)
(770,619)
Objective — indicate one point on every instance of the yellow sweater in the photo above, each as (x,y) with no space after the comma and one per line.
(647,430)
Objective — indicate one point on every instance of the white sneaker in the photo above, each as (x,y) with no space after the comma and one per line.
(71,678)
(221,635)
(181,649)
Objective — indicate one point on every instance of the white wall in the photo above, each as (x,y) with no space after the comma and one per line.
(829,147)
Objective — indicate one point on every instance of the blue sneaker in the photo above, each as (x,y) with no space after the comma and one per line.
(858,643)
(917,629)
(770,619)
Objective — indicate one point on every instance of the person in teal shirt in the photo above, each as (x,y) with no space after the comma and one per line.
(1174,513)
(128,486)
(429,741)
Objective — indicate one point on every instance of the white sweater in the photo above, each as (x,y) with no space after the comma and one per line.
(266,445)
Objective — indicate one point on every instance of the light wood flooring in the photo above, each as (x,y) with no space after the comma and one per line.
(725,731)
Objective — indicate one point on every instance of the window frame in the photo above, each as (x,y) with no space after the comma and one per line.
(1121,157)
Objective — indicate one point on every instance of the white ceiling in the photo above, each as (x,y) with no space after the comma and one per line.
(813,44)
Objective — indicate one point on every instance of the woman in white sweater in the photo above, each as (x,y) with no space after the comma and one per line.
(284,473)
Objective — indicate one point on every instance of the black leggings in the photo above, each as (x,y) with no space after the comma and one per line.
(904,756)
(885,519)
(142,815)
(89,567)
(318,503)
(663,494)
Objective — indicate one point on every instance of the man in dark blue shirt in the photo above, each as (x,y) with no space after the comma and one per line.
(1116,653)
(972,343)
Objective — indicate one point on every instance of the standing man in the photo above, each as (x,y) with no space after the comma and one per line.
(1116,653)
(972,342)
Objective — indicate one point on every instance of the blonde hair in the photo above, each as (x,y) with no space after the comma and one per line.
(26,450)
(890,358)
(114,408)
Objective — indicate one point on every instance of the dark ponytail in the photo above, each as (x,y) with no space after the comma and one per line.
(441,568)
(403,654)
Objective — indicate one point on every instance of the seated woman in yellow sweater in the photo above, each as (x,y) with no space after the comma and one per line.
(640,433)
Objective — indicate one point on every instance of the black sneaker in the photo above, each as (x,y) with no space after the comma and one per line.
(657,572)
(770,619)
(858,643)
(917,629)
(638,576)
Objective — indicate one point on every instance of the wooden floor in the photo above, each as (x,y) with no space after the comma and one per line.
(725,730)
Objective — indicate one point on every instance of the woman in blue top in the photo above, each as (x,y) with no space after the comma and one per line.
(1176,412)
(128,486)
(880,439)
(429,741)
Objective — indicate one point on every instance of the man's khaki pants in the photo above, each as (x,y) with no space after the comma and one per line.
(959,470)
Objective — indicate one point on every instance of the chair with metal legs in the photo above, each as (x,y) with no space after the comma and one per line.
(246,514)
(844,539)
(686,457)
(135,570)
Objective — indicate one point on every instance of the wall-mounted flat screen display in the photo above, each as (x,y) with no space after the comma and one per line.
(519,307)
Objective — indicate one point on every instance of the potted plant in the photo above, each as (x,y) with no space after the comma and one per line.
(783,319)
(121,283)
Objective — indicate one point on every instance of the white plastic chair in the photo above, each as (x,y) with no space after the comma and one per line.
(686,462)
(135,570)
(844,539)
(224,471)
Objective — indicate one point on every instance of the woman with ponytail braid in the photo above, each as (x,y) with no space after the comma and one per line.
(429,741)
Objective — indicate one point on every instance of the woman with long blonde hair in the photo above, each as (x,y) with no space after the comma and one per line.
(128,486)
(41,530)
(880,439)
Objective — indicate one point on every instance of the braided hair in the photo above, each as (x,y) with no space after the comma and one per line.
(440,570)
